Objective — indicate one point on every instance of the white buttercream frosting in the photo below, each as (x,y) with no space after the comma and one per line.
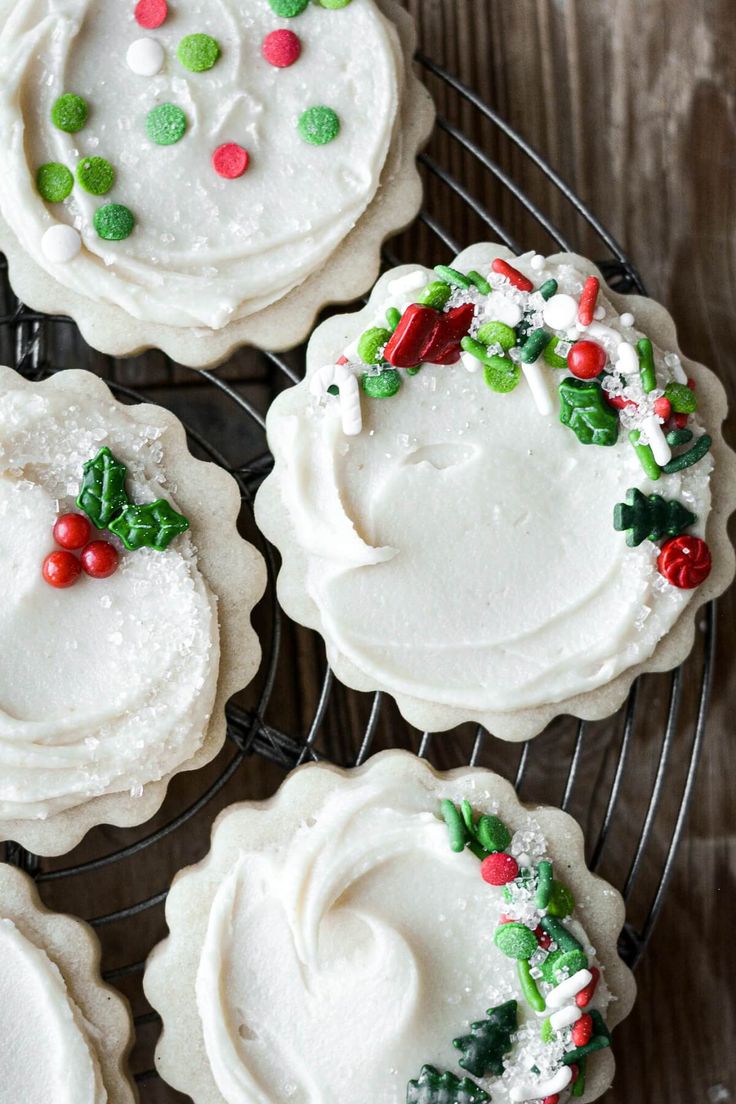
(205,250)
(109,684)
(335,966)
(460,549)
(46,1053)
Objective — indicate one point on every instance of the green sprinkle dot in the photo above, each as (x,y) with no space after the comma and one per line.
(371,341)
(69,113)
(501,374)
(319,125)
(113,222)
(493,834)
(515,940)
(383,385)
(683,399)
(198,52)
(435,294)
(497,333)
(287,9)
(166,124)
(54,182)
(452,276)
(569,963)
(96,175)
(333,5)
(551,356)
(548,966)
(561,901)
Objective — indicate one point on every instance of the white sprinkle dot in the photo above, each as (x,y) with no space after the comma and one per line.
(560,311)
(61,244)
(537,262)
(627,319)
(145,57)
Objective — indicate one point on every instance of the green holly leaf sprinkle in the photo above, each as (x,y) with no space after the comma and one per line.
(585,411)
(153,525)
(102,493)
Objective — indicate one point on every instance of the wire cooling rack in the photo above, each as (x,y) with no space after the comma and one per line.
(628,779)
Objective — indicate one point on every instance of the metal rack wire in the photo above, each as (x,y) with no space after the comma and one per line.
(628,779)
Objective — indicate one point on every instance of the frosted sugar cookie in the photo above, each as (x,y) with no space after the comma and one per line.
(197,176)
(392,934)
(501,492)
(126,606)
(65,1035)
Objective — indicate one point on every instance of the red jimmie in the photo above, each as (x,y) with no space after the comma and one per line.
(427,335)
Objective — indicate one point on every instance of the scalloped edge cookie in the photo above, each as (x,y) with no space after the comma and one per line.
(234,571)
(273,518)
(345,274)
(169,980)
(74,949)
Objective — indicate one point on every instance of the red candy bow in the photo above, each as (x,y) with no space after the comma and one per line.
(427,335)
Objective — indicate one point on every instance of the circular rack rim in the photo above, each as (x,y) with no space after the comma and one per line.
(249,730)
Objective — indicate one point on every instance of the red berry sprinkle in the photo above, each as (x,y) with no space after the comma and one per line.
(588,299)
(230,160)
(582,1030)
(585,996)
(499,868)
(663,408)
(503,268)
(281,48)
(72,530)
(685,561)
(151,13)
(100,559)
(586,359)
(61,569)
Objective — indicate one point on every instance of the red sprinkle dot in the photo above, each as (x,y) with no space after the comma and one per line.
(586,359)
(582,1030)
(499,868)
(663,408)
(230,160)
(503,268)
(281,48)
(585,996)
(151,13)
(72,530)
(100,559)
(61,569)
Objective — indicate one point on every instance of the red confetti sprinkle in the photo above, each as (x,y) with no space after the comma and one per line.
(553,1099)
(586,359)
(151,13)
(582,1030)
(61,569)
(72,530)
(585,996)
(663,408)
(499,869)
(685,561)
(230,160)
(544,940)
(341,360)
(281,48)
(503,268)
(588,299)
(100,559)
(618,401)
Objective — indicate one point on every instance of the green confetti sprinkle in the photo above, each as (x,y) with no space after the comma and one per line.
(456,830)
(687,459)
(435,294)
(679,437)
(480,282)
(166,124)
(646,364)
(319,125)
(683,398)
(548,289)
(544,884)
(561,901)
(515,940)
(393,317)
(534,346)
(54,182)
(371,343)
(114,222)
(198,52)
(529,988)
(153,525)
(333,5)
(452,276)
(579,1087)
(69,113)
(497,333)
(649,465)
(551,356)
(546,1032)
(564,939)
(381,385)
(287,9)
(95,175)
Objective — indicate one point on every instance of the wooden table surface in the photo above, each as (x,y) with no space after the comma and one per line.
(633,103)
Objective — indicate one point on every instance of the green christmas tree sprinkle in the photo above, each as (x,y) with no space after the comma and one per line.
(54,182)
(95,175)
(198,52)
(433,1087)
(650,517)
(69,113)
(489,1040)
